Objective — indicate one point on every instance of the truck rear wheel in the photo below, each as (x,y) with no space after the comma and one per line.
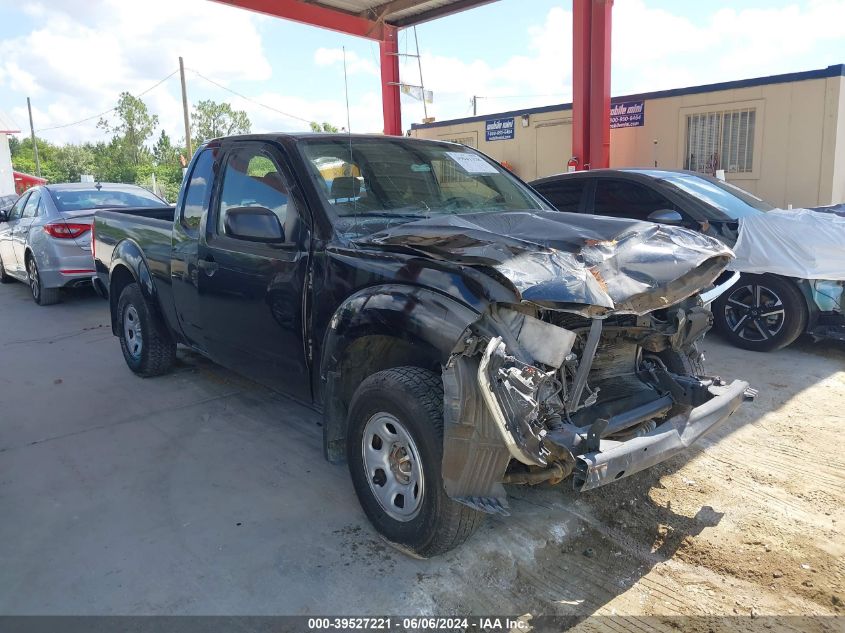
(395,450)
(147,351)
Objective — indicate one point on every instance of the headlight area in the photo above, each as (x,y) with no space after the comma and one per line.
(537,395)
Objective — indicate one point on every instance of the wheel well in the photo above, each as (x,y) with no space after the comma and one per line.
(119,278)
(364,357)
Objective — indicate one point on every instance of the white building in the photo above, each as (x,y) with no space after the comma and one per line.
(7,179)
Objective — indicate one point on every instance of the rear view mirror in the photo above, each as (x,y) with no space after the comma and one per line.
(666,216)
(254,224)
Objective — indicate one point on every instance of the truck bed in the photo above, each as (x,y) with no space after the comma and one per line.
(150,229)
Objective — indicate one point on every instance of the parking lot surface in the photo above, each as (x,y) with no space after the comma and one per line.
(202,493)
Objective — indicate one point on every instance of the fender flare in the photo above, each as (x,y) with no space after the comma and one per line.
(425,323)
(127,254)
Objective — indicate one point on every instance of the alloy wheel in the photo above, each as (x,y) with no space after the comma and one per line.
(393,467)
(755,312)
(132,335)
(34,282)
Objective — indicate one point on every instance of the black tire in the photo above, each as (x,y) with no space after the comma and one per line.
(4,278)
(761,313)
(153,353)
(41,295)
(414,398)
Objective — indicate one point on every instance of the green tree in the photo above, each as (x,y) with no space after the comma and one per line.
(325,127)
(133,128)
(166,166)
(72,161)
(211,120)
(23,158)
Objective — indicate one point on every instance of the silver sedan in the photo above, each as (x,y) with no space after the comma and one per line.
(45,238)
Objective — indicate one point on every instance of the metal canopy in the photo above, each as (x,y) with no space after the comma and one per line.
(372,19)
(380,20)
(401,13)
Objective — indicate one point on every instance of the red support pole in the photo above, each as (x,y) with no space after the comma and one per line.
(389,49)
(581,20)
(600,28)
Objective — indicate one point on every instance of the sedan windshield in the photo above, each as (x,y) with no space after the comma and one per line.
(399,180)
(105,198)
(727,198)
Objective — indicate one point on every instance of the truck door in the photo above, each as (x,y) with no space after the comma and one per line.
(191,209)
(251,292)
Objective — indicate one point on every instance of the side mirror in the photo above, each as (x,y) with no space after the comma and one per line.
(3,217)
(254,224)
(666,216)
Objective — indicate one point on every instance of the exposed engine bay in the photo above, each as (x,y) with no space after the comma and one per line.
(535,395)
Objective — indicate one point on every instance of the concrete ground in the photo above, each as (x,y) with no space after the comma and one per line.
(202,493)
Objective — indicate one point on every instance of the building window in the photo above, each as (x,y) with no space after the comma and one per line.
(721,140)
(469,141)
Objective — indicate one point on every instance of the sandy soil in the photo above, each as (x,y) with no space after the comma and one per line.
(749,522)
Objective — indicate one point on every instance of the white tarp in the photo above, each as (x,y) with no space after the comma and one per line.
(796,243)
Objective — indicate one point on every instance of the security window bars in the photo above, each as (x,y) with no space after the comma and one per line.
(721,140)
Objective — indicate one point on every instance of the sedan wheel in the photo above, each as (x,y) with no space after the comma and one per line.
(761,313)
(755,313)
(41,295)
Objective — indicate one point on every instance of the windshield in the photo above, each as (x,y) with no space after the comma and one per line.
(727,198)
(370,182)
(79,199)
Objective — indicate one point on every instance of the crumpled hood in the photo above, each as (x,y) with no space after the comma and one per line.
(554,258)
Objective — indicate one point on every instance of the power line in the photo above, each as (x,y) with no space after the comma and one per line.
(97,116)
(250,99)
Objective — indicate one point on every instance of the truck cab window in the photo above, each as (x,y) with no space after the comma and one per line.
(198,191)
(252,179)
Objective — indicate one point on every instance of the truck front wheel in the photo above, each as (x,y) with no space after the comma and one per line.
(146,350)
(395,450)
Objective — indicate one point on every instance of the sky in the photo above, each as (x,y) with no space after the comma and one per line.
(74,57)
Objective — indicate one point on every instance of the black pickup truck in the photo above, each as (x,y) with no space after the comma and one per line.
(455,331)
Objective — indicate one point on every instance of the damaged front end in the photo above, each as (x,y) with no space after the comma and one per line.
(535,395)
(591,371)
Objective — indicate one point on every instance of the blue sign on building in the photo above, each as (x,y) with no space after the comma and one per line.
(629,114)
(500,129)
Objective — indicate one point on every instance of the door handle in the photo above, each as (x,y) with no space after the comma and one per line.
(207,265)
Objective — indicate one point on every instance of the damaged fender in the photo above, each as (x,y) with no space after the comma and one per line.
(380,327)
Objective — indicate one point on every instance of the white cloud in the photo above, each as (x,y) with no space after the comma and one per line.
(91,50)
(85,52)
(354,63)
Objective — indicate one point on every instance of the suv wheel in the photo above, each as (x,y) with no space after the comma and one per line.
(761,313)
(41,295)
(146,350)
(395,450)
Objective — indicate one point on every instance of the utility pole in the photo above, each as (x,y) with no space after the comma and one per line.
(34,144)
(185,111)
(419,65)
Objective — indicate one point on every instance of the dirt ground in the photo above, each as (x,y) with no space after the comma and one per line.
(751,523)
